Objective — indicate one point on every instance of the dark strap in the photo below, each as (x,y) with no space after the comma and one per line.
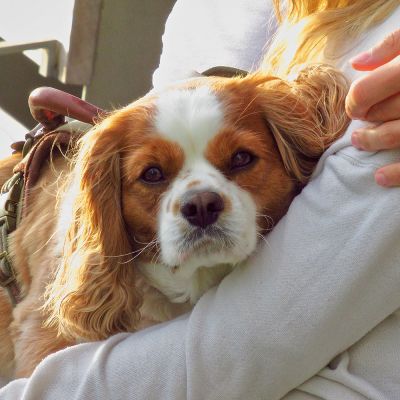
(31,165)
(9,216)
(16,196)
(49,107)
(224,71)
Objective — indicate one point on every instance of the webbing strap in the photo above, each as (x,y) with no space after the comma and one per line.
(36,149)
(9,214)
(224,71)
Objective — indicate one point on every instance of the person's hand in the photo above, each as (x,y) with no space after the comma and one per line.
(375,97)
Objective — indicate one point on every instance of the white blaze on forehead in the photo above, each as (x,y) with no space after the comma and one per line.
(190,117)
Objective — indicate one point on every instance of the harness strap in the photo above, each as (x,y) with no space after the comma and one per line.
(224,71)
(15,193)
(9,215)
(31,165)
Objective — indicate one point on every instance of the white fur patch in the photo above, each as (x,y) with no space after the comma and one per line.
(192,118)
(239,221)
(198,270)
(189,117)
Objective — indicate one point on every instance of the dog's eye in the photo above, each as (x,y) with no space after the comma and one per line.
(241,159)
(152,175)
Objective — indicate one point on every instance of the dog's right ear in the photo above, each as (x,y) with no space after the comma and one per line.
(94,294)
(305,116)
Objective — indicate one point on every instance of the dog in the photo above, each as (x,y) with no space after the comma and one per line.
(158,203)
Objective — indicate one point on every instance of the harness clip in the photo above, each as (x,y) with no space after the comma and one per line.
(6,273)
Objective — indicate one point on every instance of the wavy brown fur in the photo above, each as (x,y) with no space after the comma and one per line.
(306,116)
(94,294)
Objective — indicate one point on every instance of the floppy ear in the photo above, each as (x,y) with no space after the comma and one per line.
(93,295)
(305,116)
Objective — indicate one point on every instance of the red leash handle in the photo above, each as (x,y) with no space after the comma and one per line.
(49,106)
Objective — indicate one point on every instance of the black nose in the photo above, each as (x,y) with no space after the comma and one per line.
(202,208)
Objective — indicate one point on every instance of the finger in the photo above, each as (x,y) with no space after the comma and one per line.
(373,88)
(386,110)
(382,53)
(389,175)
(382,137)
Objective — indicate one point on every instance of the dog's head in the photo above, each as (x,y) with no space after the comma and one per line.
(186,178)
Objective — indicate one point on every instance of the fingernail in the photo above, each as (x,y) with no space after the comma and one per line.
(361,58)
(381,179)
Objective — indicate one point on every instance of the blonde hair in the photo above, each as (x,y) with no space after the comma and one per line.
(318,25)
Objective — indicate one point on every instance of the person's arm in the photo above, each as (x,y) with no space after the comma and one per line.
(376,98)
(327,275)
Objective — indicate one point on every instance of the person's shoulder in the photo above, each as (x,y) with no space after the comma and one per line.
(203,34)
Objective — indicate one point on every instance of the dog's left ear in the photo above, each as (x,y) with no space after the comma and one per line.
(93,295)
(305,116)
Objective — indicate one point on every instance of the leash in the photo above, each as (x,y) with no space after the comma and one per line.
(49,107)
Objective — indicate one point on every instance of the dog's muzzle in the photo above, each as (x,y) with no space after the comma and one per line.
(202,209)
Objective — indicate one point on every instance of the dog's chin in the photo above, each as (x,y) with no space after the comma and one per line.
(197,259)
(208,247)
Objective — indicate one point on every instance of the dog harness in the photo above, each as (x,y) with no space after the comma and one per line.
(49,107)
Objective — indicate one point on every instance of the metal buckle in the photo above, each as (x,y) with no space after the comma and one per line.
(10,183)
(8,279)
(9,217)
(7,275)
(11,207)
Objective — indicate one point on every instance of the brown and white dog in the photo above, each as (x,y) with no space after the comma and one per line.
(162,199)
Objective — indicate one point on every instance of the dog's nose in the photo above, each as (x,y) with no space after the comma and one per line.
(202,208)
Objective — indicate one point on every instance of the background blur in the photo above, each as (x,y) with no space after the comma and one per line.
(104,51)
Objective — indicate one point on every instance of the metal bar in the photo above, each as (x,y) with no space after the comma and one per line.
(48,67)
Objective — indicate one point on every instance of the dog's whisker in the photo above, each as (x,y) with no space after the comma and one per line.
(124,254)
(139,242)
(264,239)
(140,252)
(268,218)
(46,243)
(157,255)
(152,244)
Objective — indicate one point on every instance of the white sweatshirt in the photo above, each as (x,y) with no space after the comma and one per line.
(326,286)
